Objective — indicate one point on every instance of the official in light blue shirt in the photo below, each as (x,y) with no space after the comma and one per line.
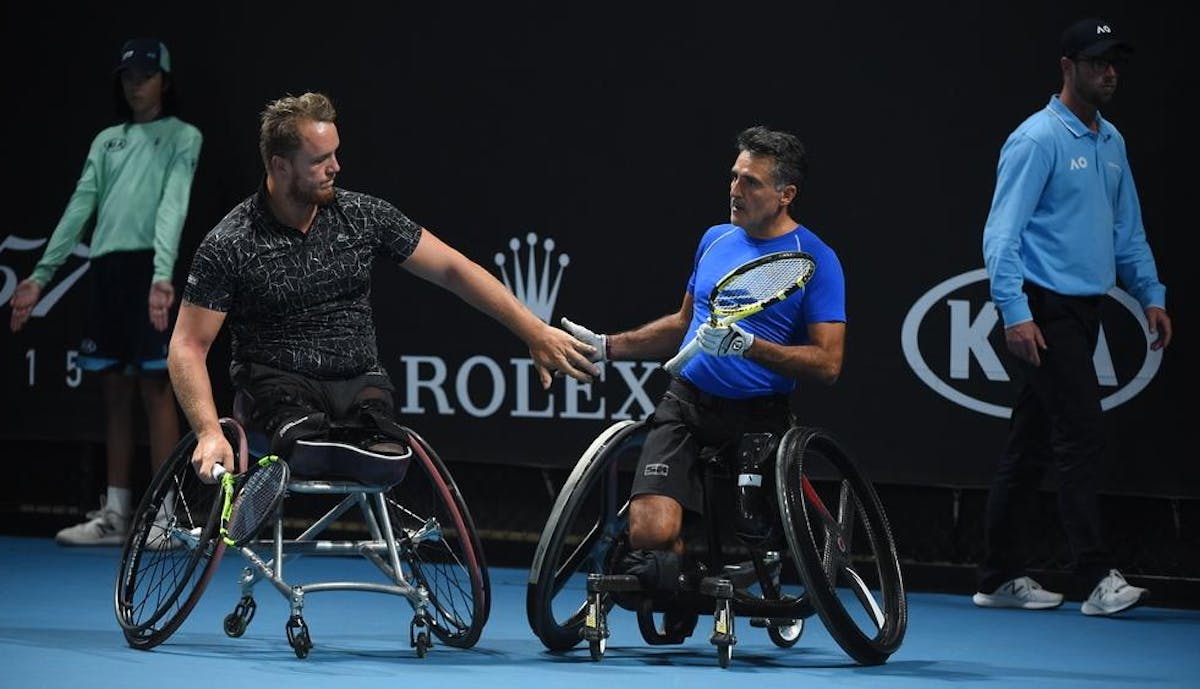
(1064,228)
(1066,216)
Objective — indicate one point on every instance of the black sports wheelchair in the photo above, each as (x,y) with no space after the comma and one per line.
(412,524)
(791,527)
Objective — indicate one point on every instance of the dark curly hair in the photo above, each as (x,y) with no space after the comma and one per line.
(791,160)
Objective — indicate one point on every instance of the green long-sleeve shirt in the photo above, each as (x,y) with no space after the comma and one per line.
(138,179)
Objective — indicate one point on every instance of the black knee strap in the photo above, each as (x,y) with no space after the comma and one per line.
(657,570)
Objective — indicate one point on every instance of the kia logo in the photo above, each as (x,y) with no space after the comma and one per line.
(952,338)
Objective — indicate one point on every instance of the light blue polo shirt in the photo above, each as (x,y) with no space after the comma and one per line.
(1065,215)
(823,299)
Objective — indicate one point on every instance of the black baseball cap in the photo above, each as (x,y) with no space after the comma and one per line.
(147,53)
(1092,37)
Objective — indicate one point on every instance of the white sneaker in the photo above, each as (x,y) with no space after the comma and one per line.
(1021,592)
(161,536)
(1113,595)
(103,527)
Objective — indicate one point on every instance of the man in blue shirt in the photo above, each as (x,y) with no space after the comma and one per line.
(740,382)
(1064,227)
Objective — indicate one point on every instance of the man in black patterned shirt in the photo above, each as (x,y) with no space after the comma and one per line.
(290,267)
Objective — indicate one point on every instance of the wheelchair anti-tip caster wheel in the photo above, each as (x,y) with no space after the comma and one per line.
(421,641)
(298,638)
(595,626)
(723,637)
(237,621)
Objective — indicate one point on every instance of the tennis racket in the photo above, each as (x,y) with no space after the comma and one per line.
(748,289)
(250,499)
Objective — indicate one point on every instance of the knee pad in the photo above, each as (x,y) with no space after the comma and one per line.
(286,431)
(656,570)
(755,515)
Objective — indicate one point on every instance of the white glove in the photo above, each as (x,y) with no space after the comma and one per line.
(599,342)
(730,340)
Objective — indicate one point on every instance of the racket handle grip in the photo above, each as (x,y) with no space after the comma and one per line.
(217,470)
(677,362)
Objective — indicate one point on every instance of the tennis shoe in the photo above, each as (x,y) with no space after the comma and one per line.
(161,536)
(103,527)
(1022,592)
(1113,595)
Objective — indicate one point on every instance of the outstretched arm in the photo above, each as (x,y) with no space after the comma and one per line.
(551,348)
(658,339)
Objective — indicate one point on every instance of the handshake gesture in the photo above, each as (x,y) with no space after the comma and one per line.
(598,342)
(717,340)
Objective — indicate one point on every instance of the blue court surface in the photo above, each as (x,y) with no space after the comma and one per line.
(57,629)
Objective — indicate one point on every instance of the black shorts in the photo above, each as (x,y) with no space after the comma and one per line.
(689,426)
(269,400)
(117,332)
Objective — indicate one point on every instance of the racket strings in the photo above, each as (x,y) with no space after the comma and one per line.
(761,283)
(256,501)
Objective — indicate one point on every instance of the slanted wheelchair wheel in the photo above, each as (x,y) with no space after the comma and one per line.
(841,543)
(173,547)
(449,563)
(583,535)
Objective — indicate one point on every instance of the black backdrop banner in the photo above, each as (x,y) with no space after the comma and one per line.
(579,154)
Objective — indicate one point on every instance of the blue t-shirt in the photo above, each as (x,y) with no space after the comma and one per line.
(823,299)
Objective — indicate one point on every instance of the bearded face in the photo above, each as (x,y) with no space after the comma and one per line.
(314,166)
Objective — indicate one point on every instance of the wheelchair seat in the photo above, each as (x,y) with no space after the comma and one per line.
(340,459)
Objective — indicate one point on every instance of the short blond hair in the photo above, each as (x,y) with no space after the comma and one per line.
(279,133)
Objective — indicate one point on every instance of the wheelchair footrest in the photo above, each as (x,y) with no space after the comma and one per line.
(609,583)
(678,624)
(717,587)
(771,622)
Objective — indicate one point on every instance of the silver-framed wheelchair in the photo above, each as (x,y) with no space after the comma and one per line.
(832,554)
(412,524)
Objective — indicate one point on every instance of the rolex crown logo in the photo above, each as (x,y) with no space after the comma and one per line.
(536,290)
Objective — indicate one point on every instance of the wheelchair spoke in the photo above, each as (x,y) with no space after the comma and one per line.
(864,595)
(834,533)
(838,550)
(584,552)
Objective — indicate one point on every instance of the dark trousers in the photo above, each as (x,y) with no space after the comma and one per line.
(1056,421)
(287,406)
